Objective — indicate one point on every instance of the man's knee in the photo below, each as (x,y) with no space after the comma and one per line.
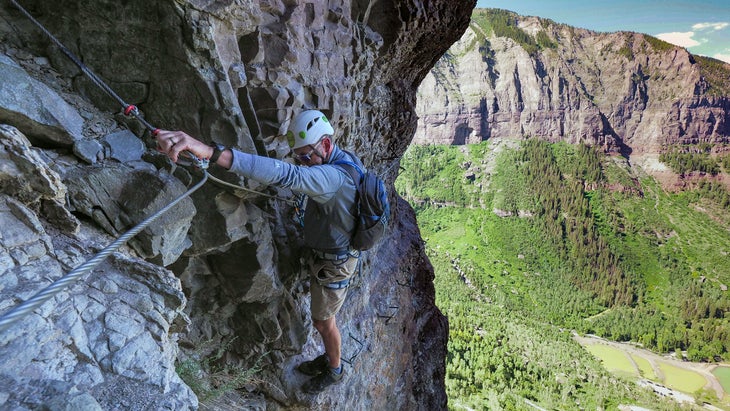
(325,326)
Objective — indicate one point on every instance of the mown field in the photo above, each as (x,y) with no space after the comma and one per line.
(723,375)
(698,381)
(531,241)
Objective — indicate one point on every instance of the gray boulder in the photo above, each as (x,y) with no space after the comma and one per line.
(118,197)
(124,146)
(25,175)
(35,109)
(106,339)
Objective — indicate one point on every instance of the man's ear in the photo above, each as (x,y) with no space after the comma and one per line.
(327,145)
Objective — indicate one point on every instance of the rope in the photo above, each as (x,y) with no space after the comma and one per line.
(237,187)
(26,307)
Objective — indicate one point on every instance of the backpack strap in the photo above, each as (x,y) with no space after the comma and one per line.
(357,175)
(352,169)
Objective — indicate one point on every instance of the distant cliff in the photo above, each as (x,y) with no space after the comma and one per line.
(221,271)
(515,76)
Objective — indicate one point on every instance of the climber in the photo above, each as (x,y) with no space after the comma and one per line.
(328,219)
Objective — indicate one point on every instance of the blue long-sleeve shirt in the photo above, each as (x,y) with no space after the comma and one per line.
(329,219)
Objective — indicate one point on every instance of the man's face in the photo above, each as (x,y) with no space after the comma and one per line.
(309,155)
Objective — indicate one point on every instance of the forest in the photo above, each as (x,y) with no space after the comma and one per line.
(532,241)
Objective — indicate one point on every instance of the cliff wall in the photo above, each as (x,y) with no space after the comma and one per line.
(222,268)
(627,92)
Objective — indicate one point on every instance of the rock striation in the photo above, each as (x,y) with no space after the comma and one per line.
(627,92)
(222,267)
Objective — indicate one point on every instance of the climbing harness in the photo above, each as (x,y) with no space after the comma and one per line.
(300,205)
(21,310)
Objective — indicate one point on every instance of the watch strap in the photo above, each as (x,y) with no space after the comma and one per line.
(218,149)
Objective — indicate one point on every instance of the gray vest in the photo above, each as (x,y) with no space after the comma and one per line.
(328,226)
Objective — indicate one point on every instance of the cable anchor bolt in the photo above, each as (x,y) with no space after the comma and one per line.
(131,110)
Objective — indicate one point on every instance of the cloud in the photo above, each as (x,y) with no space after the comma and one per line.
(723,57)
(682,39)
(710,26)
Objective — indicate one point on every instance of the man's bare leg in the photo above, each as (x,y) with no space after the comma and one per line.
(331,338)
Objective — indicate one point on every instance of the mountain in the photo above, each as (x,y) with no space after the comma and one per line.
(630,93)
(209,300)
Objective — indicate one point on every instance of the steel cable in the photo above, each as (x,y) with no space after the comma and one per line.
(21,310)
(26,307)
(128,109)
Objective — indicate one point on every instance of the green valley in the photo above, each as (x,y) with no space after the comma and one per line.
(533,241)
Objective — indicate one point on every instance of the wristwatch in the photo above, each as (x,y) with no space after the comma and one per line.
(218,149)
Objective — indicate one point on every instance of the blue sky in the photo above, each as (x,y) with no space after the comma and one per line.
(702,26)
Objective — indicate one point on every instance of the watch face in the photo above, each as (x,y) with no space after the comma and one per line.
(217,147)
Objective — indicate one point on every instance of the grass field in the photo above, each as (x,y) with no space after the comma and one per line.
(614,359)
(681,379)
(723,375)
(620,362)
(645,368)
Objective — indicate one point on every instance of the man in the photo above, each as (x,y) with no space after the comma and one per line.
(328,219)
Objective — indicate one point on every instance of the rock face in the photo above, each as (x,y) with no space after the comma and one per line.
(222,267)
(626,92)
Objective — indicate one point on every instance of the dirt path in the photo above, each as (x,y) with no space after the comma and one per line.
(704,369)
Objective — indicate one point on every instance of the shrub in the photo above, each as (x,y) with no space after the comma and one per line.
(205,375)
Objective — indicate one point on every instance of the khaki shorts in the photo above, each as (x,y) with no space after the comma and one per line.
(326,302)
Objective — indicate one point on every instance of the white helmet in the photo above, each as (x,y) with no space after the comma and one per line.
(308,128)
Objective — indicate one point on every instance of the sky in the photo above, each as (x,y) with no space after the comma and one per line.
(701,26)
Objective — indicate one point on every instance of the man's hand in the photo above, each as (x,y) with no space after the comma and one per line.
(172,143)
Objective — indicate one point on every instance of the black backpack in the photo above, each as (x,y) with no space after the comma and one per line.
(372,206)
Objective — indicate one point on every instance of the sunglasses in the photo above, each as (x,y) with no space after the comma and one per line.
(306,158)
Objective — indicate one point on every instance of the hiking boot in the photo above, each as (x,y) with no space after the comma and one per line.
(314,367)
(319,383)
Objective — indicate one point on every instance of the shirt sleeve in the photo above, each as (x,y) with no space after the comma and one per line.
(320,183)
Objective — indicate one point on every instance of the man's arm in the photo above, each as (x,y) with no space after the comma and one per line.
(320,182)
